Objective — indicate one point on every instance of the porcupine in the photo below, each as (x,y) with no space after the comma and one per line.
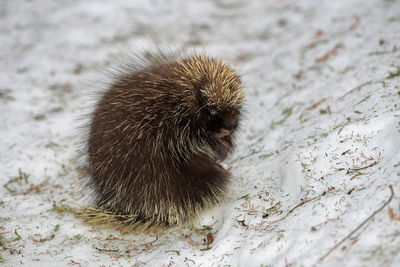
(156,139)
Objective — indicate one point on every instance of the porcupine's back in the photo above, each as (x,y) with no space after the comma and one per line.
(140,149)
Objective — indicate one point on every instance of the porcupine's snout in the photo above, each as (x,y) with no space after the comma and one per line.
(228,126)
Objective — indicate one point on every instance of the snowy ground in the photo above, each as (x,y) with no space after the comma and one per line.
(316,158)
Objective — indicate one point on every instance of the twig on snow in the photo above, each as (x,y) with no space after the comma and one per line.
(175,251)
(299,205)
(359,226)
(362,168)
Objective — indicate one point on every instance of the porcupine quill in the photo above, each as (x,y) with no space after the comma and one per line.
(155,140)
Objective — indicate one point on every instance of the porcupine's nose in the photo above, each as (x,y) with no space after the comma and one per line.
(228,126)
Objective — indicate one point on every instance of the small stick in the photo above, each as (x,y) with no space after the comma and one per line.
(150,243)
(361,225)
(362,168)
(106,250)
(299,205)
(176,251)
(186,259)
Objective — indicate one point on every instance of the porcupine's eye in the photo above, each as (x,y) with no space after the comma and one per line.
(212,118)
(213,111)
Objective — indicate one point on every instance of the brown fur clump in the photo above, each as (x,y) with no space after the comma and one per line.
(156,138)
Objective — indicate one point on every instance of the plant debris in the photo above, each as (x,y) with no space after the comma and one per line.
(360,225)
(62,208)
(327,55)
(392,216)
(394,74)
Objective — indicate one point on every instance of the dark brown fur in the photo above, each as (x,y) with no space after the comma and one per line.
(155,139)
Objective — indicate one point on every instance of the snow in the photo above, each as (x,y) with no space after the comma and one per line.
(319,143)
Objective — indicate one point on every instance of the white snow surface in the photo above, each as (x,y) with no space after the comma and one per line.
(319,141)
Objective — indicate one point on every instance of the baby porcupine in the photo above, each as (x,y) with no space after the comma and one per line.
(156,138)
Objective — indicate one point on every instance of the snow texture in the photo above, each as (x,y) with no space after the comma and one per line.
(316,157)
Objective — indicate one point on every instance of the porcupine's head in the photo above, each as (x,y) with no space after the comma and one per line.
(218,102)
